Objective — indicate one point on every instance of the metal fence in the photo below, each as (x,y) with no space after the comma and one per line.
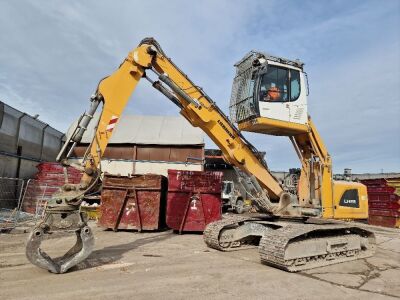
(11,191)
(22,201)
(36,194)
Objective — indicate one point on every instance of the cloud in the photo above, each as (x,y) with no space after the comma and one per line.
(352,58)
(54,53)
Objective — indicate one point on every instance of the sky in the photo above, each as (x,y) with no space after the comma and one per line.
(53,53)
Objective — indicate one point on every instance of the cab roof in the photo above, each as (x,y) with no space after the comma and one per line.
(253,54)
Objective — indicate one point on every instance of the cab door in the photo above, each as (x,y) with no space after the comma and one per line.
(273,93)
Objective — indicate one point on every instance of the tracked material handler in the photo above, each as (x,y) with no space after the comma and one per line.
(268,96)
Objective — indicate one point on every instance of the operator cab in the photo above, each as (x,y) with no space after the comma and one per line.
(269,95)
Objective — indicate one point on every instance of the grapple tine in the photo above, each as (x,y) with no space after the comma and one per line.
(35,255)
(79,252)
(82,249)
(60,220)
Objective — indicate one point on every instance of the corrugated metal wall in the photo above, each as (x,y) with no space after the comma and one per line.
(141,159)
(24,141)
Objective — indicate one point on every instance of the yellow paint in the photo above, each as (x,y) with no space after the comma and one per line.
(272,126)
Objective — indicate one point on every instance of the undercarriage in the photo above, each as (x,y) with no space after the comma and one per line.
(292,243)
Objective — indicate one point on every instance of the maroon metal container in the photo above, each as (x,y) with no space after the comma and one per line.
(380,182)
(136,202)
(383,203)
(194,199)
(380,189)
(384,212)
(382,197)
(384,221)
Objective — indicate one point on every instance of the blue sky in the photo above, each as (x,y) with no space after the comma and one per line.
(53,53)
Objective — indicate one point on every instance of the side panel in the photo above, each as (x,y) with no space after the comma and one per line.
(278,110)
(350,200)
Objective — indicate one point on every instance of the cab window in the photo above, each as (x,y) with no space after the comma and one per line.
(279,85)
(294,85)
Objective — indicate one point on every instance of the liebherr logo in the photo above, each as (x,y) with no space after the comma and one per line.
(226,129)
(350,201)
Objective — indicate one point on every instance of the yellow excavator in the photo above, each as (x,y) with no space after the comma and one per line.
(294,231)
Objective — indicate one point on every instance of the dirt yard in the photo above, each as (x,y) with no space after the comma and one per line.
(164,265)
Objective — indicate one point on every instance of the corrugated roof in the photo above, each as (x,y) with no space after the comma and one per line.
(158,130)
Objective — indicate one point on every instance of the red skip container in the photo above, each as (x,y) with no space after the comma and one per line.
(136,202)
(194,199)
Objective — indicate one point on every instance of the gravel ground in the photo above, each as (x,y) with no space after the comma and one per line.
(164,265)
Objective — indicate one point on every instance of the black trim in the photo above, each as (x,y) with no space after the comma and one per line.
(350,198)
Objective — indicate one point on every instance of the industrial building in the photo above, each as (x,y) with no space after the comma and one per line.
(25,141)
(148,144)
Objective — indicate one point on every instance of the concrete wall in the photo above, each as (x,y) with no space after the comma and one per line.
(24,142)
(125,167)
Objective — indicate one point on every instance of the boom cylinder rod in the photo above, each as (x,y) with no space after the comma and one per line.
(159,87)
(87,117)
(164,78)
(80,129)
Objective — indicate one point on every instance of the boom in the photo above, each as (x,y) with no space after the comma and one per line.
(115,91)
